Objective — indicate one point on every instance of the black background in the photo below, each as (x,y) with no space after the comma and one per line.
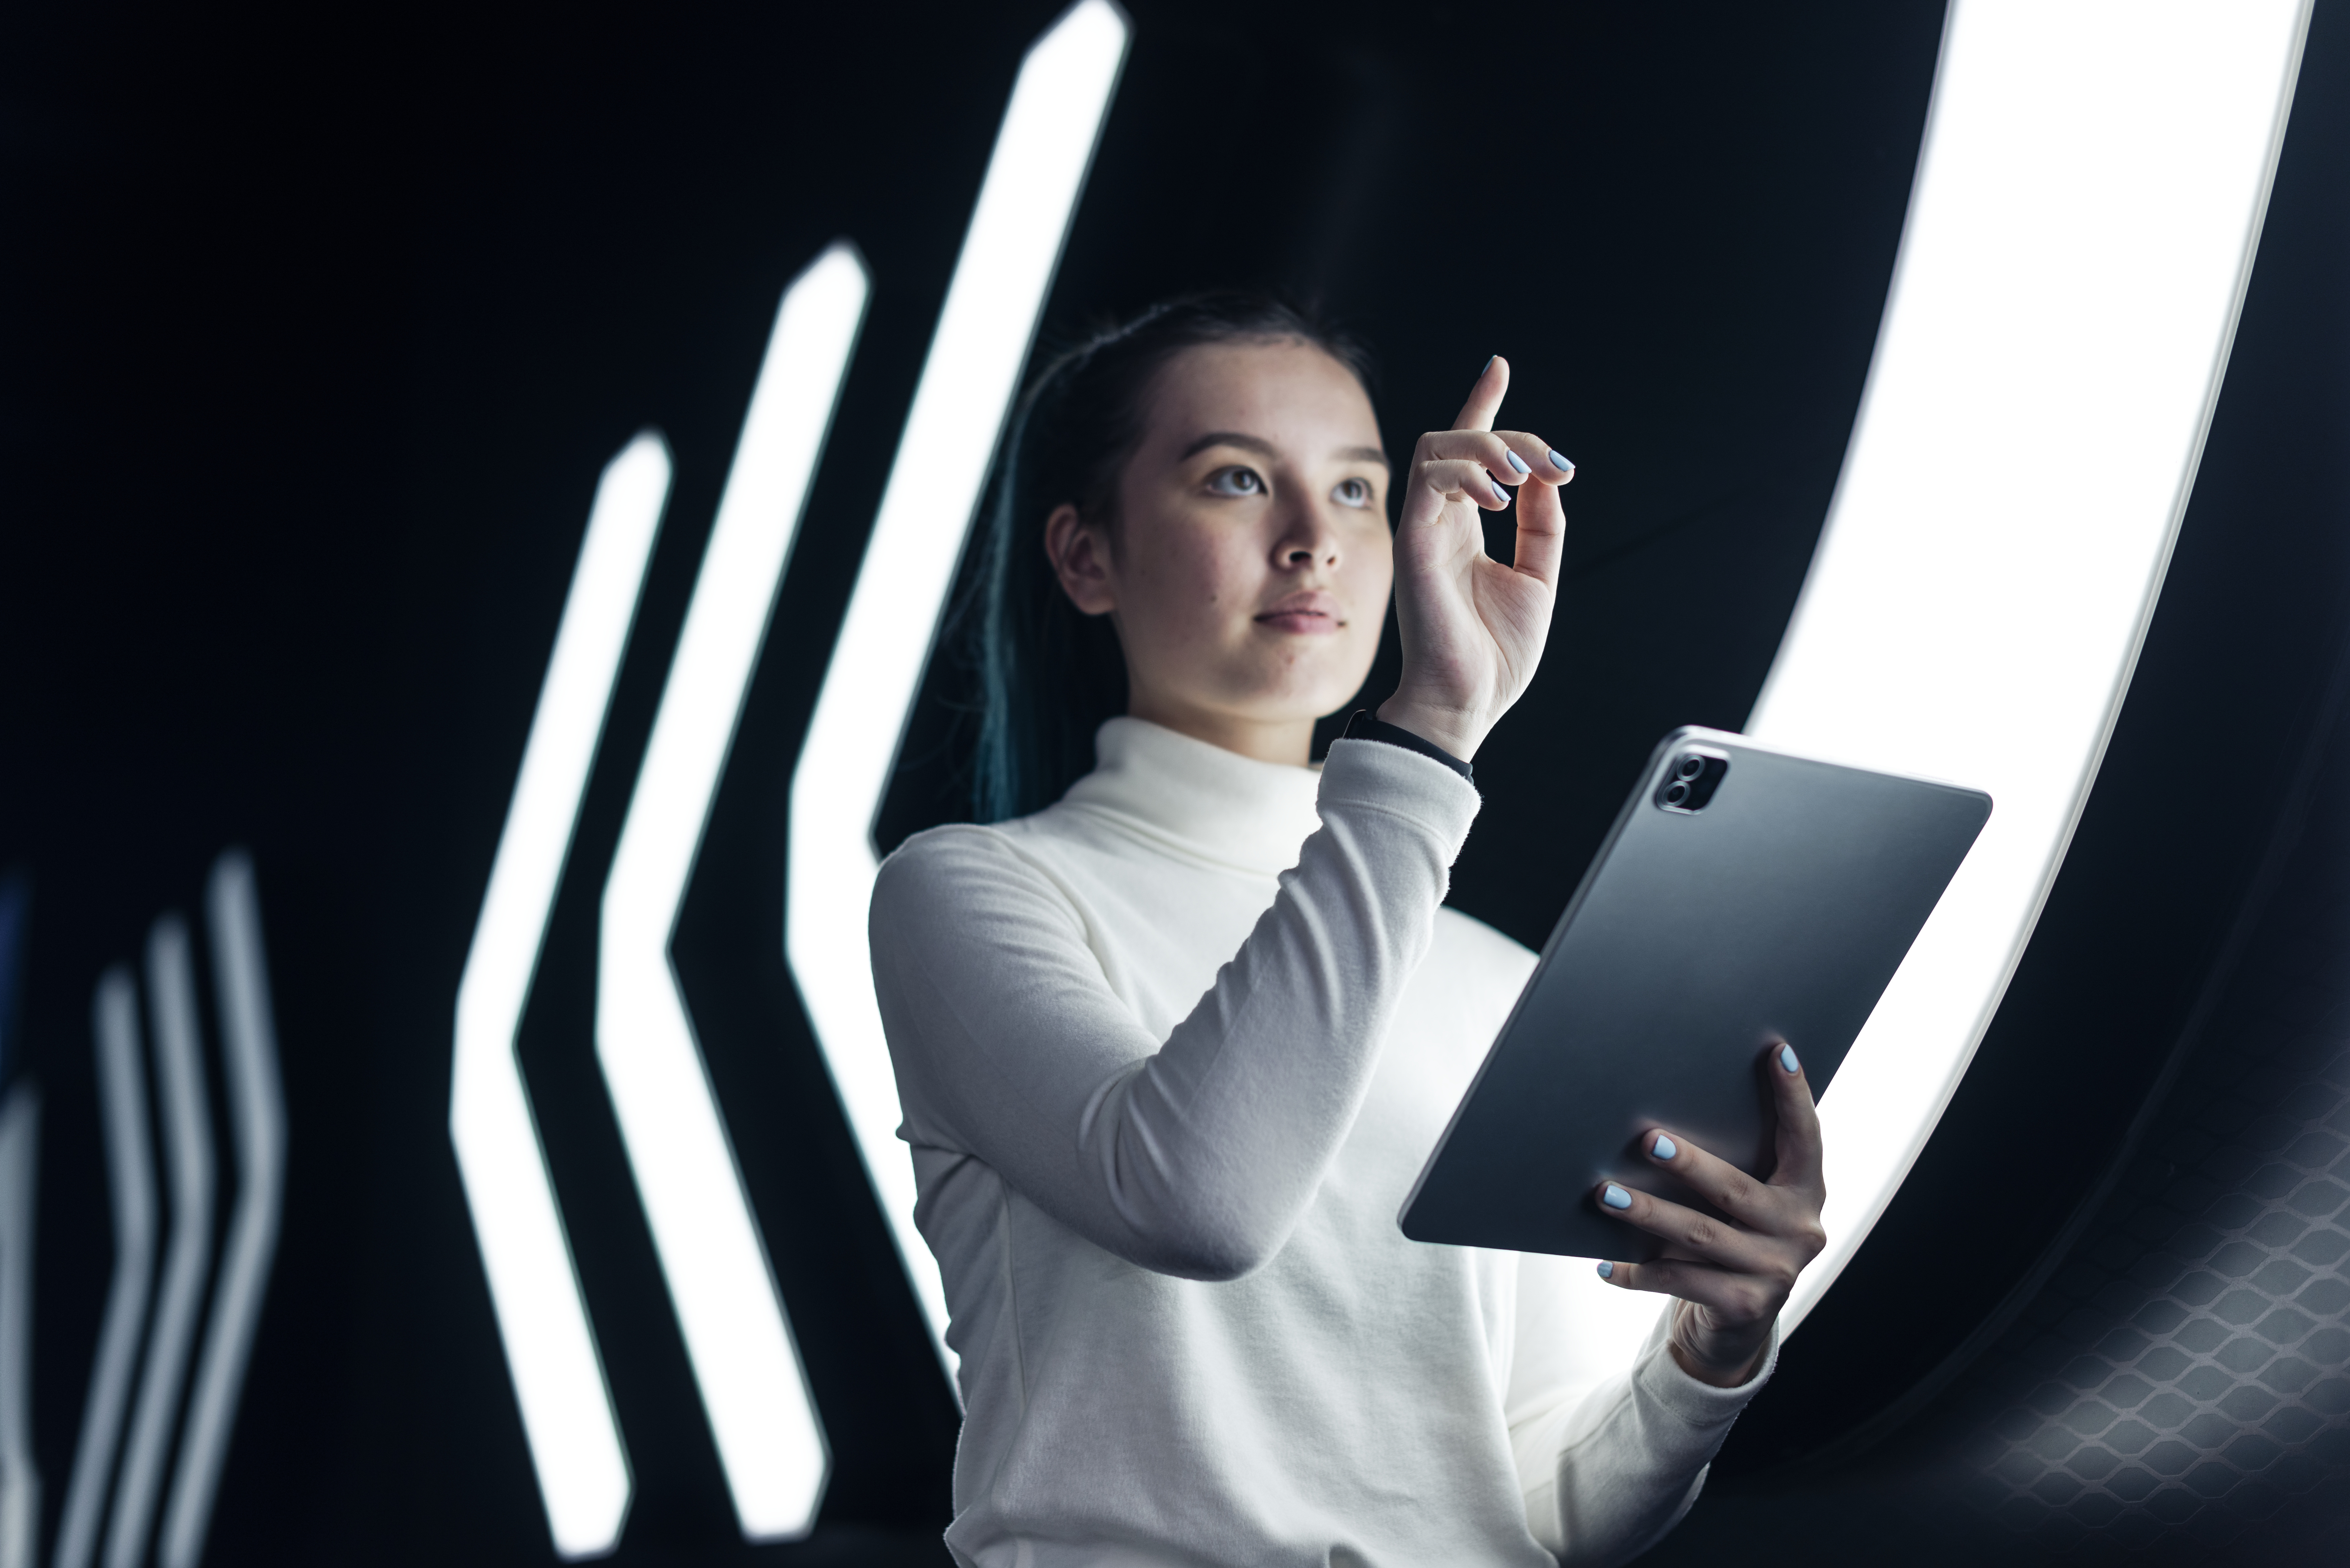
(319,326)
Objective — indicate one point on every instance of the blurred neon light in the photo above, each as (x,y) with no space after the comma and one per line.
(130,1182)
(566,1410)
(188,1156)
(1034,177)
(737,1335)
(2088,201)
(257,1117)
(20,1170)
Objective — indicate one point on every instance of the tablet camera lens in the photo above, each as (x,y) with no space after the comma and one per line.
(1688,785)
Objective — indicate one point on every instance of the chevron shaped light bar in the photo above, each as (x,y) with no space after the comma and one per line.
(559,1379)
(130,1181)
(2087,205)
(737,1334)
(1009,254)
(257,1117)
(185,1121)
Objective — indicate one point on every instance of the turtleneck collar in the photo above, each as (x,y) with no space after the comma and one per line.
(1214,804)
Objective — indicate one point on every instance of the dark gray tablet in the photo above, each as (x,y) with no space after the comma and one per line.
(1744,896)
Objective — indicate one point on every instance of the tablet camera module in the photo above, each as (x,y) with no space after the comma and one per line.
(1690,782)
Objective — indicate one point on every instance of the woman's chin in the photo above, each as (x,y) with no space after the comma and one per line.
(1297,703)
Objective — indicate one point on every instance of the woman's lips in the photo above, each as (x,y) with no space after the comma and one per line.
(1305,622)
(1306,615)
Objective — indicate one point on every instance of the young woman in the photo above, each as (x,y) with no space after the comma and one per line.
(1175,1033)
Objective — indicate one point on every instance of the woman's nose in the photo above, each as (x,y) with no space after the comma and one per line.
(1308,541)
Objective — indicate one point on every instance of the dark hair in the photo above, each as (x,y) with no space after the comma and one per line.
(1048,674)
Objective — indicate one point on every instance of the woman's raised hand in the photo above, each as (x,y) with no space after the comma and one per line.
(1473,629)
(1732,1276)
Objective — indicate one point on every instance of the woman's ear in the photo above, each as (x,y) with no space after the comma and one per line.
(1080,555)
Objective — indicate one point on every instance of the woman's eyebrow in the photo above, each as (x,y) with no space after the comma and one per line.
(1229,438)
(1265,448)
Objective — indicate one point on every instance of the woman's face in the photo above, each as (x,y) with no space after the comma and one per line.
(1247,572)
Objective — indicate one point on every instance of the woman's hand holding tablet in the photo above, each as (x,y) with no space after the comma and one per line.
(1731,1275)
(1745,897)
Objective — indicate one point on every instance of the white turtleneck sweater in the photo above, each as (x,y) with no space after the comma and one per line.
(1171,1053)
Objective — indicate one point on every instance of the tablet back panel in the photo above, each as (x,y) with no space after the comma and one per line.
(1779,912)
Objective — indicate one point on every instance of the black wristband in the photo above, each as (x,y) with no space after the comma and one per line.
(1367,726)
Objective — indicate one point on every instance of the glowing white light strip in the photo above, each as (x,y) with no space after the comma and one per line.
(257,1111)
(567,1411)
(1000,281)
(737,1336)
(20,1477)
(188,1149)
(131,1180)
(2088,199)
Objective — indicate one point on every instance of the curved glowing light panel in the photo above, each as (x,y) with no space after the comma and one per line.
(1009,255)
(737,1333)
(2088,200)
(567,1411)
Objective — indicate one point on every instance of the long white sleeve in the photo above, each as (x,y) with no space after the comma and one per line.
(1610,1456)
(1194,1158)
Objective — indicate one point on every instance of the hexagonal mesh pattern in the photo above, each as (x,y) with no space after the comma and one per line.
(2187,1374)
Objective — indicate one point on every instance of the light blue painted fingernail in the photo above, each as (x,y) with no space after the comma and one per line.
(1501,493)
(1491,363)
(1615,1197)
(1787,1059)
(1665,1148)
(1606,1271)
(1518,462)
(1560,460)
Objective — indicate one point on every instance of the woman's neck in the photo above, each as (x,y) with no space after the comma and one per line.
(1284,740)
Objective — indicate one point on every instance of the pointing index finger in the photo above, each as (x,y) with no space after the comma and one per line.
(1485,396)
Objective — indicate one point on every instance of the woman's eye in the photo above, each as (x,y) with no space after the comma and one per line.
(1352,492)
(1235,481)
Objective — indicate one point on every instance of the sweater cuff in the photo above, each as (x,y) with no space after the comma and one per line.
(1380,777)
(1699,1403)
(1366,725)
